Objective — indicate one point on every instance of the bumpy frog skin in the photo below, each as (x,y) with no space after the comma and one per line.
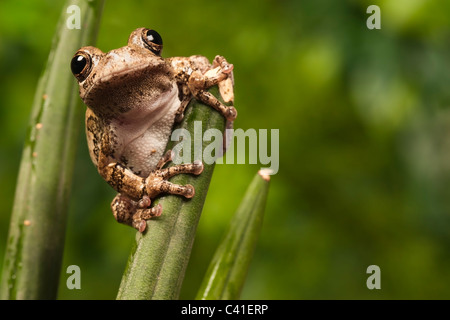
(134,97)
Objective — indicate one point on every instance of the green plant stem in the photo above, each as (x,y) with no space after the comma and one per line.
(34,249)
(228,269)
(158,260)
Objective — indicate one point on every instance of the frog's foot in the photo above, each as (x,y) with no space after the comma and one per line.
(128,210)
(226,85)
(134,213)
(220,61)
(141,216)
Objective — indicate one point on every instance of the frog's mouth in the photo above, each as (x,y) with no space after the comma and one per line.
(141,89)
(117,68)
(95,86)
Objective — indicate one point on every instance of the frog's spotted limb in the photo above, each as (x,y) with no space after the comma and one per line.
(198,82)
(129,212)
(198,76)
(136,212)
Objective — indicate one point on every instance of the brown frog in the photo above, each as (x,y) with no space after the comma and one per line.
(134,97)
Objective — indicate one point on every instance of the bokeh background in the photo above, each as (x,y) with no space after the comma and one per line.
(364,120)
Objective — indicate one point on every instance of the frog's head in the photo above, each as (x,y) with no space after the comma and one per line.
(112,82)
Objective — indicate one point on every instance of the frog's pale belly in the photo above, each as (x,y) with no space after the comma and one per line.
(144,145)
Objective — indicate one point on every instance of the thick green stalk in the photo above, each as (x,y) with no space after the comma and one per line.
(227,271)
(158,260)
(34,249)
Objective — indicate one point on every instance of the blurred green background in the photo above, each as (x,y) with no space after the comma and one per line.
(364,120)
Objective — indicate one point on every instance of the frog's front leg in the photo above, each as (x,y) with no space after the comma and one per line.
(195,76)
(221,74)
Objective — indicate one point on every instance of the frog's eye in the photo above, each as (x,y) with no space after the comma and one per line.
(152,41)
(81,65)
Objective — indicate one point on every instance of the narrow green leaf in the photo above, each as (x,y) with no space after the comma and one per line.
(34,249)
(156,266)
(227,271)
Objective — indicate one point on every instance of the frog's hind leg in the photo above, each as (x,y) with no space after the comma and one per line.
(134,213)
(156,183)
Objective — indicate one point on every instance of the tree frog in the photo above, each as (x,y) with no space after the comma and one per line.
(134,97)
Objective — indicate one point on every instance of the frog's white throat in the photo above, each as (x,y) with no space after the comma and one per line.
(143,135)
